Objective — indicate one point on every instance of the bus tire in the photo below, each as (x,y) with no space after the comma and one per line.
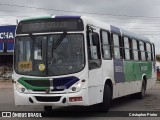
(141,94)
(107,98)
(47,108)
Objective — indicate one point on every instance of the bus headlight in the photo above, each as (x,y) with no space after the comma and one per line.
(77,86)
(21,88)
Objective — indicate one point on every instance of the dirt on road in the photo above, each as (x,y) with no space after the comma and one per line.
(6,84)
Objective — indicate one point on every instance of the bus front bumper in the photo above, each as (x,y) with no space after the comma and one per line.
(79,98)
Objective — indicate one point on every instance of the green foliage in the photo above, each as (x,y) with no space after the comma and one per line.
(158,79)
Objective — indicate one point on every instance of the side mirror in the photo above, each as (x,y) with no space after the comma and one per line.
(95,39)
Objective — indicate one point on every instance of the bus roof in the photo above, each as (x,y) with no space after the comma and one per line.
(46,17)
(115,29)
(36,18)
(134,36)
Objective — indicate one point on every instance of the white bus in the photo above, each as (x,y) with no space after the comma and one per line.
(77,60)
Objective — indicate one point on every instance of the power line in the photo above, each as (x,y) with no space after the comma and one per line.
(101,20)
(78,12)
(133,17)
(14,16)
(151,28)
(143,31)
(20,11)
(143,28)
(95,13)
(8,16)
(140,27)
(150,34)
(136,24)
(120,21)
(121,26)
(45,13)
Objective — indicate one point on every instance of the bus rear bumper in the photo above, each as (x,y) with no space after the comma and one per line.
(79,98)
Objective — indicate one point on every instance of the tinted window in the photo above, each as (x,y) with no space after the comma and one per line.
(106,48)
(127,54)
(134,44)
(126,42)
(148,47)
(106,51)
(117,53)
(143,56)
(105,37)
(127,48)
(141,46)
(135,54)
(115,40)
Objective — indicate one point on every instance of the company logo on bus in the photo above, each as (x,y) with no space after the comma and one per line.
(47,90)
(118,68)
(143,68)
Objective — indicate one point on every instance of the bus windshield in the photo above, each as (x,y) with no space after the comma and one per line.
(43,55)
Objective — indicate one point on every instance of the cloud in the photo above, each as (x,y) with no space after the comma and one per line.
(148,26)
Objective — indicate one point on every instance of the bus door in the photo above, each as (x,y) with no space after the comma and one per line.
(94,61)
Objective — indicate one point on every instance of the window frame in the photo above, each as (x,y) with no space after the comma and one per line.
(142,51)
(109,44)
(153,52)
(147,52)
(129,48)
(120,46)
(133,49)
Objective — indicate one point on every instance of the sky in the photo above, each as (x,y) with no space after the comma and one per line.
(139,16)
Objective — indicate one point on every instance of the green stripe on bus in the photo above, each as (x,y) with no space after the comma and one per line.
(37,18)
(133,70)
(128,71)
(28,86)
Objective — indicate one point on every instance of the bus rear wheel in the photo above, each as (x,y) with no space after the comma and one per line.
(47,108)
(142,93)
(107,98)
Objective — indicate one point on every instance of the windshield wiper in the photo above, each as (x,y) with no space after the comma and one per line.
(59,40)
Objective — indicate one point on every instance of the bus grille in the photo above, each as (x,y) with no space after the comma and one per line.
(38,83)
(48,99)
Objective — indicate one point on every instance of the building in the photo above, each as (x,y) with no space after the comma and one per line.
(7,34)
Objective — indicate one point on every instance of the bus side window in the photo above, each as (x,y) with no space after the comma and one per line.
(153,52)
(142,51)
(117,54)
(127,48)
(94,50)
(135,49)
(94,46)
(106,48)
(148,51)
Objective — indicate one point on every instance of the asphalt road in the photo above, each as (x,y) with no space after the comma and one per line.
(150,103)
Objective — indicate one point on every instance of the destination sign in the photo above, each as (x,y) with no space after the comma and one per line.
(50,25)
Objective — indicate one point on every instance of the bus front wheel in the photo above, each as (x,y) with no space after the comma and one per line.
(107,98)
